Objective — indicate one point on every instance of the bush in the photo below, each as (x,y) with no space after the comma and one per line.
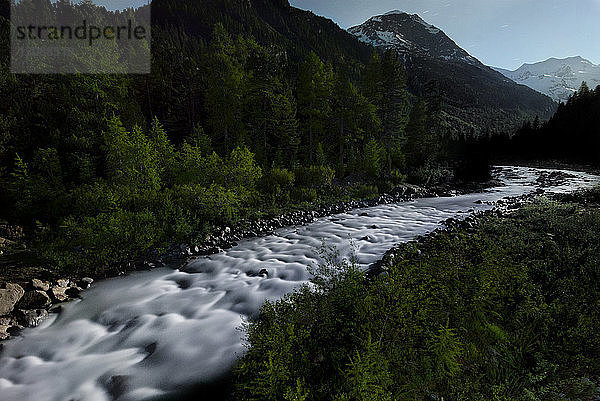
(277,184)
(110,237)
(242,170)
(215,203)
(363,191)
(432,175)
(305,195)
(384,186)
(397,177)
(460,315)
(398,158)
(317,177)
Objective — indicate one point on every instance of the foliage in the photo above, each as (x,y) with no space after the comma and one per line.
(363,191)
(317,177)
(305,195)
(235,121)
(460,315)
(278,184)
(535,141)
(374,157)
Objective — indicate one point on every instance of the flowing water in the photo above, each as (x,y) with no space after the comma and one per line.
(152,333)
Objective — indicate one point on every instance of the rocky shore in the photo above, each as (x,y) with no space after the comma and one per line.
(502,208)
(28,303)
(28,307)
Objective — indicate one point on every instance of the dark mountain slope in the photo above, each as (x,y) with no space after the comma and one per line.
(474,96)
(271,22)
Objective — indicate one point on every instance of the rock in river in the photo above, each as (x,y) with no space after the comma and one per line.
(34,300)
(32,318)
(59,294)
(9,296)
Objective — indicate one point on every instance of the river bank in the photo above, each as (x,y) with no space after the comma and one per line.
(29,291)
(184,324)
(27,298)
(470,311)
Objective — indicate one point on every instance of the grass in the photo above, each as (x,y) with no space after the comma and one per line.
(508,311)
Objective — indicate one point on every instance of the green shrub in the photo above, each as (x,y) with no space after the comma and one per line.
(384,186)
(109,237)
(432,175)
(215,203)
(364,191)
(460,315)
(305,195)
(277,184)
(398,158)
(242,170)
(397,177)
(317,177)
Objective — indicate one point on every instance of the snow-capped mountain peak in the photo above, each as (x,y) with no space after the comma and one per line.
(410,34)
(557,78)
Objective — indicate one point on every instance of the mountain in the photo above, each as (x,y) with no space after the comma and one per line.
(474,96)
(410,34)
(557,78)
(270,22)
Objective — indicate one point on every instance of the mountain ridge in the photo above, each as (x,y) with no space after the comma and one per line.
(479,98)
(409,33)
(558,78)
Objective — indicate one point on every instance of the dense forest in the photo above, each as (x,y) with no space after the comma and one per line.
(572,135)
(101,169)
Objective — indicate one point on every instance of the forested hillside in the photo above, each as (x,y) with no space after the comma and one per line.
(251,108)
(571,135)
(474,99)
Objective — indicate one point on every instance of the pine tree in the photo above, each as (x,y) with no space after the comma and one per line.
(416,147)
(353,116)
(315,82)
(270,109)
(372,85)
(584,90)
(225,78)
(394,105)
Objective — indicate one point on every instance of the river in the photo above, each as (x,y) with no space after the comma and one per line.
(156,332)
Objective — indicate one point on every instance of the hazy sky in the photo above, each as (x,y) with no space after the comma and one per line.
(501,33)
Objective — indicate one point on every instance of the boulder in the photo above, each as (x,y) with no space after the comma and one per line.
(34,300)
(59,294)
(63,282)
(15,330)
(117,386)
(7,321)
(10,294)
(85,282)
(33,317)
(4,332)
(73,292)
(37,284)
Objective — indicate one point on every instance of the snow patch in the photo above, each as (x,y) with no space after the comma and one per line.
(556,78)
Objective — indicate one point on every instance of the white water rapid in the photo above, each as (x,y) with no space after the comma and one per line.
(152,333)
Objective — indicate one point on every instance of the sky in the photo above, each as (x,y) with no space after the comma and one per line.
(500,33)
